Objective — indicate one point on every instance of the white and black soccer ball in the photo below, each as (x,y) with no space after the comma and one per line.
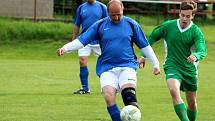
(130,113)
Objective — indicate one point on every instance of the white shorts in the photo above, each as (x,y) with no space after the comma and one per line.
(117,77)
(86,51)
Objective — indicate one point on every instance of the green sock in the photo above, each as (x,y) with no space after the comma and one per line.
(181,111)
(192,115)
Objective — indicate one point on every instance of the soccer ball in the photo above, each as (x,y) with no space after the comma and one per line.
(130,113)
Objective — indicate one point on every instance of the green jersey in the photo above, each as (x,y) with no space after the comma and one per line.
(179,44)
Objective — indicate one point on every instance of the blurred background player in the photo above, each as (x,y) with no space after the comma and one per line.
(117,64)
(78,3)
(87,13)
(185,47)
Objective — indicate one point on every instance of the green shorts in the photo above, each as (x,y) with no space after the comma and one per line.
(188,81)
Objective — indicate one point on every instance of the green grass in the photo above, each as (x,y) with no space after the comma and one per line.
(25,30)
(36,85)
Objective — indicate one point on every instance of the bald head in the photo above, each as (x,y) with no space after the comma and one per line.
(115,10)
(115,3)
(91,1)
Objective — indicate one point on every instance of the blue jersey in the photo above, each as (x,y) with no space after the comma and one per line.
(116,42)
(87,14)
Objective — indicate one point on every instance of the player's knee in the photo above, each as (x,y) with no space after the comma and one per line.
(175,93)
(109,96)
(83,61)
(192,104)
(129,96)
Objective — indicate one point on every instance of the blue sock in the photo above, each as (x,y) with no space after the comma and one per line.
(84,77)
(114,113)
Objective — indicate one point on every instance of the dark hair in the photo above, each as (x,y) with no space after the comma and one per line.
(189,5)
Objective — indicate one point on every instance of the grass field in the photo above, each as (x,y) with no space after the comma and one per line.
(36,85)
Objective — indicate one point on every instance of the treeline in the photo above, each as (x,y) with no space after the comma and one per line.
(68,7)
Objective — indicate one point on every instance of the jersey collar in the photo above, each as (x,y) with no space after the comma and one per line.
(185,29)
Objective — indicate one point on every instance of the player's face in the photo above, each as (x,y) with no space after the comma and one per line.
(185,17)
(115,13)
(115,17)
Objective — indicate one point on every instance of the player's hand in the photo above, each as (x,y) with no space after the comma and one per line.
(142,62)
(156,71)
(191,59)
(60,51)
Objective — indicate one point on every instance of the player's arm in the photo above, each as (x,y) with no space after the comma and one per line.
(104,11)
(77,23)
(74,45)
(141,41)
(149,53)
(201,50)
(157,33)
(105,14)
(81,41)
(75,33)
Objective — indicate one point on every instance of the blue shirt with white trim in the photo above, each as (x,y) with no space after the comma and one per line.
(116,42)
(87,14)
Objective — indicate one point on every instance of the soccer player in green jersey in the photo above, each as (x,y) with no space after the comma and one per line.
(184,47)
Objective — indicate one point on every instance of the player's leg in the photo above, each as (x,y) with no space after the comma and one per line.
(191,94)
(109,85)
(173,78)
(179,106)
(127,82)
(192,105)
(84,73)
(174,89)
(109,94)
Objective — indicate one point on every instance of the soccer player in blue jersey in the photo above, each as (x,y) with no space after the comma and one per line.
(87,14)
(117,64)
